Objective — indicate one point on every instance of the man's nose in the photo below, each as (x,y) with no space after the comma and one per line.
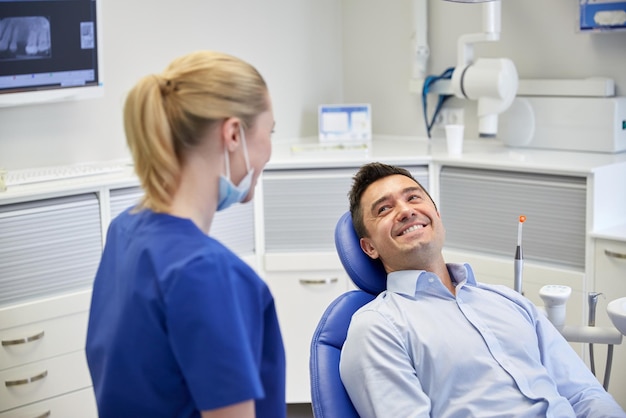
(405,210)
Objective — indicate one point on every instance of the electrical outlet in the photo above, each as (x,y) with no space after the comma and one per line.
(450,116)
(456,116)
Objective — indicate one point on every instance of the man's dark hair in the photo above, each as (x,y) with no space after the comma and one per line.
(368,174)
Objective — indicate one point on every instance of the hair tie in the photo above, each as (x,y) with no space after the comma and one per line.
(169,87)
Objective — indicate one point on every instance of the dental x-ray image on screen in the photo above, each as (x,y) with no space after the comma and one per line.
(24,37)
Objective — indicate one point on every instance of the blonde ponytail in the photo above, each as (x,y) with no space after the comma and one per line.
(150,140)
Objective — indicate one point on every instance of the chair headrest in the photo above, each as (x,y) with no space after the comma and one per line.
(366,273)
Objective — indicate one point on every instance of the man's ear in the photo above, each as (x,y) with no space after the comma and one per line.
(368,248)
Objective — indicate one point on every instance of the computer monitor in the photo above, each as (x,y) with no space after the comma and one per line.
(50,50)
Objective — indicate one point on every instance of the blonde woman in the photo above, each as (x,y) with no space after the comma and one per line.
(179,325)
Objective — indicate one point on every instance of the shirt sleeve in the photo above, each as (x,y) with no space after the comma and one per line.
(572,376)
(207,332)
(377,371)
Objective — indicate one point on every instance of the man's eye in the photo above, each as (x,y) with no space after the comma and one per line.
(414,197)
(382,209)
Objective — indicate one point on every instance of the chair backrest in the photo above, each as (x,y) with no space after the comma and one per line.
(367,274)
(328,395)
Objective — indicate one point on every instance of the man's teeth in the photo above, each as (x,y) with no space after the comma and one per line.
(411,229)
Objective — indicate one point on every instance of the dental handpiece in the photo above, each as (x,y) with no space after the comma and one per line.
(519,258)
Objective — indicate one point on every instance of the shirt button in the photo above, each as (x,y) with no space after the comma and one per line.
(430,280)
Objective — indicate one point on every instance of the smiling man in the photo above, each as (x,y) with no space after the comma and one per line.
(437,343)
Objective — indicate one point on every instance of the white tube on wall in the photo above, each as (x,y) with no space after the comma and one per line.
(422,50)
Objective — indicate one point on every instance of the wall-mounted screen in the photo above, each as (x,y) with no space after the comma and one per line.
(49,51)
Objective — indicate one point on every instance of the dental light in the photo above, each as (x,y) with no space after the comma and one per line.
(492,82)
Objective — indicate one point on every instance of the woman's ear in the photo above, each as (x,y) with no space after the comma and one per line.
(368,248)
(231,133)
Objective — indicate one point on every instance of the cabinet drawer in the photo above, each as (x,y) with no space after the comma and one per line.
(79,404)
(41,340)
(610,259)
(44,379)
(301,298)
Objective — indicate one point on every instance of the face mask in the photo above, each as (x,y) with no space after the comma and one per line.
(230,194)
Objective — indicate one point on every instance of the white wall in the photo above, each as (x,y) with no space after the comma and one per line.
(539,36)
(294,44)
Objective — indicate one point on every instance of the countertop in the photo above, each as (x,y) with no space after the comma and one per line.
(616,233)
(478,153)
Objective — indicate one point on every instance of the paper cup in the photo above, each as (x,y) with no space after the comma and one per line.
(454,139)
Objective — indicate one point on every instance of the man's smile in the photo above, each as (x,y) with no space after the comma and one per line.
(411,229)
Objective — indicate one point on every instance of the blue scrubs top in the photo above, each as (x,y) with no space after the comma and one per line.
(180,324)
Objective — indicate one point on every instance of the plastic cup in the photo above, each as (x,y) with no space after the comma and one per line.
(454,139)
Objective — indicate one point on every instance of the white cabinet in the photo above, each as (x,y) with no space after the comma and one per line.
(610,280)
(49,251)
(48,246)
(301,298)
(42,357)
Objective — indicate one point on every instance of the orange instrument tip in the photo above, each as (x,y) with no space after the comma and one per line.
(522,218)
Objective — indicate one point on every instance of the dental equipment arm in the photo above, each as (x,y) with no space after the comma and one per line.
(555,298)
(493,82)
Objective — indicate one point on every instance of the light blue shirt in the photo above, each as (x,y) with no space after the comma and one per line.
(418,351)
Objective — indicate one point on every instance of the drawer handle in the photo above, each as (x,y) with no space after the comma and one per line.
(19,341)
(44,415)
(614,254)
(327,280)
(19,382)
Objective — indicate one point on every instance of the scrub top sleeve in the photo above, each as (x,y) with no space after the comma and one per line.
(208,336)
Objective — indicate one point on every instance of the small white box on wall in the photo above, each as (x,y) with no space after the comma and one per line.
(345,123)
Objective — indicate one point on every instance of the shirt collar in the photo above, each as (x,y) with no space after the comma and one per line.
(409,282)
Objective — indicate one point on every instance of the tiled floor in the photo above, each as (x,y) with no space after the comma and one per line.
(300,410)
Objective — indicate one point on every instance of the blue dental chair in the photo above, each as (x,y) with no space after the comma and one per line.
(328,396)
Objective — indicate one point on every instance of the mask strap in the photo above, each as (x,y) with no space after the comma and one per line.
(227,160)
(245,148)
